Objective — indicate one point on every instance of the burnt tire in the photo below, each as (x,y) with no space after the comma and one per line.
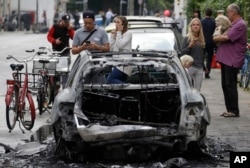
(198,148)
(71,151)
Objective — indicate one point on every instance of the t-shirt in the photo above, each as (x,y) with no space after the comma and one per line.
(99,37)
(232,52)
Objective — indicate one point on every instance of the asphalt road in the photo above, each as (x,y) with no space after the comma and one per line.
(233,131)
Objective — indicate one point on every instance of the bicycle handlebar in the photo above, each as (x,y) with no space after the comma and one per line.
(55,53)
(26,60)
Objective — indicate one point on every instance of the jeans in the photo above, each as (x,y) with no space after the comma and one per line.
(196,74)
(116,77)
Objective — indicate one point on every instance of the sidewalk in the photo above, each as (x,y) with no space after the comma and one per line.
(232,130)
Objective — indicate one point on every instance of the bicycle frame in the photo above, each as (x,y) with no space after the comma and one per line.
(19,102)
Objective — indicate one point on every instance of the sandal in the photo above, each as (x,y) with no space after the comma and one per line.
(229,114)
(223,114)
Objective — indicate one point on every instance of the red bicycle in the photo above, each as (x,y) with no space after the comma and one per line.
(18,99)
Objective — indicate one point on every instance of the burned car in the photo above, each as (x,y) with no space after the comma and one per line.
(154,113)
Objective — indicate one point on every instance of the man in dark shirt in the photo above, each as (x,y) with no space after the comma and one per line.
(208,25)
(59,35)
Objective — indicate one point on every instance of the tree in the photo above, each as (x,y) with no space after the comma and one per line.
(160,5)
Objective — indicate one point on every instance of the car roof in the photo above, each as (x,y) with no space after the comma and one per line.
(139,21)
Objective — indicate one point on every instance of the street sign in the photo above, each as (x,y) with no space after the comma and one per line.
(140,2)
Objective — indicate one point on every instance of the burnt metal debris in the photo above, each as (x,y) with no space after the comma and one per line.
(154,113)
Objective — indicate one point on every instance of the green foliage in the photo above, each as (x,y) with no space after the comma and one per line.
(219,5)
(160,5)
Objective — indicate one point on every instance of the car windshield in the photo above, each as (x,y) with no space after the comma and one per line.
(153,41)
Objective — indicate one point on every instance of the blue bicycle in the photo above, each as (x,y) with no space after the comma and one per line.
(245,72)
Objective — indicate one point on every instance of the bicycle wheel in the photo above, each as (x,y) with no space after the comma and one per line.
(40,97)
(41,94)
(241,80)
(11,110)
(50,90)
(25,115)
(54,87)
(243,72)
(246,83)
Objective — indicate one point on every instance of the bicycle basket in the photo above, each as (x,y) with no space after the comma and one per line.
(63,64)
(50,67)
(32,80)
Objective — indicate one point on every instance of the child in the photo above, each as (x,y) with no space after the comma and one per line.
(187,61)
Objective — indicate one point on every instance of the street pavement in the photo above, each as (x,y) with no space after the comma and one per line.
(14,43)
(234,131)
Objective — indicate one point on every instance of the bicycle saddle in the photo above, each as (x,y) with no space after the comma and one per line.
(43,61)
(16,67)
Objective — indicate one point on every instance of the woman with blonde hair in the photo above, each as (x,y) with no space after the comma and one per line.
(194,45)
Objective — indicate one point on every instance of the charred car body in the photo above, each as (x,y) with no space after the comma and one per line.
(157,111)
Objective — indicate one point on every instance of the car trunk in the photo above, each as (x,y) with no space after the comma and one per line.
(156,106)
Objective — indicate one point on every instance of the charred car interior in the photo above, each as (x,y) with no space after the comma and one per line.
(154,113)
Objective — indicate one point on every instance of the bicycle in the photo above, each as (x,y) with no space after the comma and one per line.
(245,72)
(18,99)
(49,82)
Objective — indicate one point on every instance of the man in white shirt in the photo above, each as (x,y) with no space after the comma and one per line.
(109,15)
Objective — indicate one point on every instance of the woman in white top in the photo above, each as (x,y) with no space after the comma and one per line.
(121,40)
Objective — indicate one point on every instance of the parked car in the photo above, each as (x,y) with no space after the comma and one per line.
(139,21)
(154,113)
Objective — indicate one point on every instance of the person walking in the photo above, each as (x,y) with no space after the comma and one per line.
(90,37)
(76,20)
(193,45)
(208,26)
(167,20)
(197,14)
(180,21)
(108,17)
(59,35)
(121,40)
(231,54)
